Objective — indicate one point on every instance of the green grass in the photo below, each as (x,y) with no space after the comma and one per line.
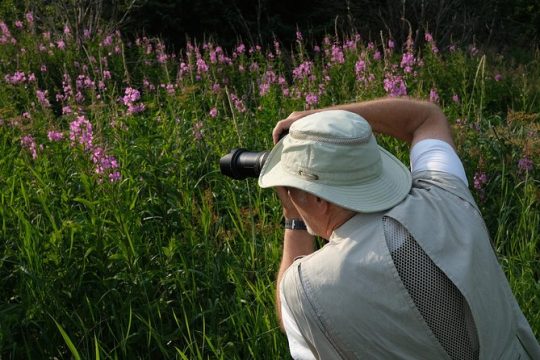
(173,260)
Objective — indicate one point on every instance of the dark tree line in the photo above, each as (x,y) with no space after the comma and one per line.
(493,23)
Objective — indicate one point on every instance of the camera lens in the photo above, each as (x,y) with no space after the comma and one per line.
(241,164)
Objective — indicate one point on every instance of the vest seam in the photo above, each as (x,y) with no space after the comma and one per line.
(318,312)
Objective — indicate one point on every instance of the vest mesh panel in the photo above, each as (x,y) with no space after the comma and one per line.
(438,300)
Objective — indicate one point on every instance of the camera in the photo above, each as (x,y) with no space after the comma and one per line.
(240,164)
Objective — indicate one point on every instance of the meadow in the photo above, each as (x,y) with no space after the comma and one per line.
(120,239)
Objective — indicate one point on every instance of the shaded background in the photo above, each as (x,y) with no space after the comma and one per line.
(496,24)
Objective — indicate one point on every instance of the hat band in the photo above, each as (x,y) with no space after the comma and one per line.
(366,174)
(298,135)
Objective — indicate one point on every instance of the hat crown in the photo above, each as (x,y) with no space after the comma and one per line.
(333,147)
(332,126)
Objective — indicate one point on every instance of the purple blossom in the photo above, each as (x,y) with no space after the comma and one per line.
(108,41)
(299,36)
(525,164)
(213,112)
(42,97)
(455,98)
(264,88)
(238,103)
(337,55)
(66,110)
(17,78)
(391,44)
(480,180)
(377,55)
(55,135)
(498,77)
(433,95)
(61,44)
(29,143)
(428,37)
(104,164)
(202,67)
(303,70)
(80,132)
(407,62)
(130,96)
(394,85)
(240,49)
(29,17)
(135,108)
(114,176)
(312,99)
(197,130)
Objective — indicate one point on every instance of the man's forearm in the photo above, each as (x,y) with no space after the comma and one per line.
(405,119)
(295,243)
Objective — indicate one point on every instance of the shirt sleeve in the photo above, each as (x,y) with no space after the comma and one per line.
(297,344)
(437,155)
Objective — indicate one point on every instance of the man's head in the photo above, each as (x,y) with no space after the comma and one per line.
(334,156)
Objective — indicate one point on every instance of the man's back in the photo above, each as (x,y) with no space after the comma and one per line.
(418,281)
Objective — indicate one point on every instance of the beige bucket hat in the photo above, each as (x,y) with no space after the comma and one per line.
(334,155)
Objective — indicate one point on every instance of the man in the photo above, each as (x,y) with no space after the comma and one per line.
(408,271)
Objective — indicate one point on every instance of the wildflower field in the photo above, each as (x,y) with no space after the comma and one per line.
(119,237)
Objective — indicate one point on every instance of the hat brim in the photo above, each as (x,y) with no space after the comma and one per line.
(381,193)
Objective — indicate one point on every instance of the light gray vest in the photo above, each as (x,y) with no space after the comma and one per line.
(350,301)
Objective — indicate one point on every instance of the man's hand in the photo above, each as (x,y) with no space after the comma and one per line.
(285,124)
(289,210)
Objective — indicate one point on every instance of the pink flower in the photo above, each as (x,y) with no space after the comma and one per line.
(135,108)
(525,164)
(428,37)
(29,143)
(108,41)
(433,96)
(455,98)
(303,70)
(55,135)
(29,17)
(61,44)
(240,49)
(197,130)
(480,180)
(42,97)
(131,95)
(391,44)
(201,66)
(337,55)
(498,77)
(80,132)
(213,112)
(394,85)
(238,103)
(264,88)
(407,62)
(377,55)
(312,99)
(114,176)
